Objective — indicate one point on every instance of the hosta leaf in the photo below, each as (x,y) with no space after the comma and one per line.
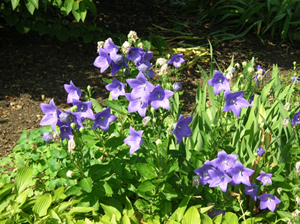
(41,206)
(23,178)
(191,216)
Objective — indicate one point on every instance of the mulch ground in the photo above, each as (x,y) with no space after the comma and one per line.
(34,68)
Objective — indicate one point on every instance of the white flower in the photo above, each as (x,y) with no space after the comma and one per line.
(100,44)
(244,64)
(237,65)
(161,61)
(297,167)
(287,106)
(279,190)
(158,142)
(164,69)
(286,122)
(231,69)
(298,200)
(140,45)
(146,120)
(133,36)
(56,136)
(71,145)
(295,213)
(125,47)
(229,75)
(250,70)
(297,104)
(69,174)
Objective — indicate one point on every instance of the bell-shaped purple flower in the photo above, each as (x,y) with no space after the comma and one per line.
(203,173)
(219,82)
(47,136)
(160,97)
(295,79)
(296,118)
(182,129)
(116,88)
(66,132)
(135,140)
(140,86)
(73,92)
(138,104)
(252,191)
(134,53)
(219,178)
(176,60)
(117,63)
(110,47)
(234,102)
(260,151)
(51,116)
(265,178)
(103,119)
(85,108)
(103,60)
(240,174)
(223,161)
(177,86)
(268,201)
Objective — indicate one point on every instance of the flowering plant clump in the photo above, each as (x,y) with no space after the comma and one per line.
(136,157)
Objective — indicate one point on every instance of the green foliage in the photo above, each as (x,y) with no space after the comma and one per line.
(98,181)
(54,18)
(272,17)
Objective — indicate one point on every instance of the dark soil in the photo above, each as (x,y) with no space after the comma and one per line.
(34,68)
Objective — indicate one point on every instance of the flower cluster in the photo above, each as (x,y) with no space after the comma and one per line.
(227,169)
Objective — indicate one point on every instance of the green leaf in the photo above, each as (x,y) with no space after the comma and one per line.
(125,219)
(23,178)
(110,210)
(5,190)
(116,106)
(30,7)
(97,171)
(128,210)
(191,216)
(22,197)
(230,218)
(88,37)
(96,105)
(68,5)
(14,4)
(63,34)
(86,184)
(146,186)
(41,206)
(146,171)
(35,3)
(91,5)
(12,19)
(58,153)
(78,210)
(178,214)
(75,8)
(82,10)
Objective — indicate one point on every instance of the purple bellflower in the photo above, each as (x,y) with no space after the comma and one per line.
(223,161)
(103,60)
(134,53)
(296,118)
(134,140)
(140,86)
(295,79)
(260,151)
(251,101)
(176,60)
(117,63)
(47,136)
(66,132)
(110,47)
(160,97)
(144,58)
(215,212)
(265,178)
(234,102)
(219,178)
(240,174)
(202,172)
(51,114)
(73,92)
(219,82)
(103,119)
(138,104)
(260,74)
(85,108)
(182,129)
(252,191)
(268,201)
(177,86)
(116,88)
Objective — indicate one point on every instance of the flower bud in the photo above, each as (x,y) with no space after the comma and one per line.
(133,36)
(260,151)
(164,69)
(81,129)
(177,86)
(298,200)
(73,109)
(158,142)
(146,120)
(71,146)
(287,106)
(140,45)
(64,117)
(237,65)
(279,190)
(152,109)
(161,61)
(47,136)
(125,47)
(286,122)
(297,104)
(89,89)
(196,181)
(244,64)
(70,174)
(250,70)
(73,126)
(297,167)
